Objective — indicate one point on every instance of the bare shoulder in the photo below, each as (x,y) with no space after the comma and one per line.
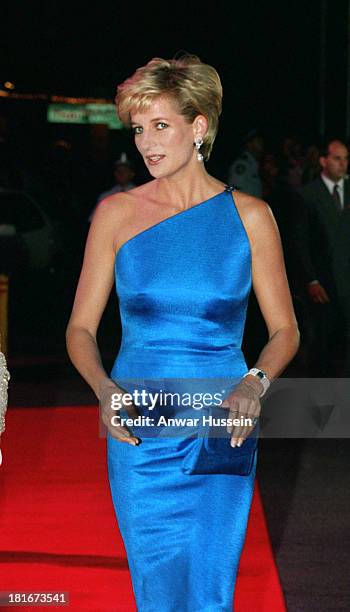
(110,207)
(251,208)
(256,215)
(110,216)
(117,208)
(126,199)
(121,215)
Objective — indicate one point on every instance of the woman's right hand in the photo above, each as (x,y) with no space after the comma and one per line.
(121,433)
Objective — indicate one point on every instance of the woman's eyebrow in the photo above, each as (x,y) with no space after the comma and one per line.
(152,120)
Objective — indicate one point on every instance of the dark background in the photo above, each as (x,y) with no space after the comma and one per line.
(267,54)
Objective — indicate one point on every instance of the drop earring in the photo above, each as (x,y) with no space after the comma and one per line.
(198,141)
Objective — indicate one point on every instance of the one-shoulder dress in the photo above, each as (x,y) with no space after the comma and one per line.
(183,287)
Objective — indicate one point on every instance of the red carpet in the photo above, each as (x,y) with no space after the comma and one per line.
(57,527)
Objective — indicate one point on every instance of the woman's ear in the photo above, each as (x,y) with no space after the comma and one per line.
(200,126)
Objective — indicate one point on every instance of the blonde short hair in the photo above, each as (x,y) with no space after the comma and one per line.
(193,85)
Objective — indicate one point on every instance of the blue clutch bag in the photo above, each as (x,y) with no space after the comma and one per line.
(212,453)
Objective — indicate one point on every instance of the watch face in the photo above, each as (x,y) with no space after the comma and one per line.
(260,374)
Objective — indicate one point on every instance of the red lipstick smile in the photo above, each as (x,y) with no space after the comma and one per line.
(153,160)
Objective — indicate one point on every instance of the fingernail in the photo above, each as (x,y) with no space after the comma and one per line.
(233,443)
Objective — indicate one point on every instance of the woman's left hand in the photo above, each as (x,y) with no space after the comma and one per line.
(244,404)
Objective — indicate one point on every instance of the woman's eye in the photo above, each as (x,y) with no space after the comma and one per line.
(161,125)
(137,129)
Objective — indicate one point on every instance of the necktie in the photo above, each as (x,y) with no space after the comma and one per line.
(336,196)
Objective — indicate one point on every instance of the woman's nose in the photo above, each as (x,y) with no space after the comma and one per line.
(147,139)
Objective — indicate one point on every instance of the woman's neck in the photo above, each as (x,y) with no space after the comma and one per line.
(187,190)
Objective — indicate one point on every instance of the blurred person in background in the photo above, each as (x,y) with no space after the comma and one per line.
(123,175)
(269,173)
(244,172)
(324,214)
(286,205)
(312,167)
(293,161)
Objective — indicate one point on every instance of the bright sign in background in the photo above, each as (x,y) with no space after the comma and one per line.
(105,114)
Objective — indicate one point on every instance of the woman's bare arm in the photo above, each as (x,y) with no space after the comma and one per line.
(93,290)
(272,291)
(271,288)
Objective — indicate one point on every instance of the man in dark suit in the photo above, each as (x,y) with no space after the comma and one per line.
(322,255)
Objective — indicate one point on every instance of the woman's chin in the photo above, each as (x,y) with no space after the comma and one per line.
(158,172)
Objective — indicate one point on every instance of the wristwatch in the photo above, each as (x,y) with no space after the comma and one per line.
(261,376)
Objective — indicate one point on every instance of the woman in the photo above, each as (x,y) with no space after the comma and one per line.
(183,250)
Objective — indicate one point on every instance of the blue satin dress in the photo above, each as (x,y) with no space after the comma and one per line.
(183,287)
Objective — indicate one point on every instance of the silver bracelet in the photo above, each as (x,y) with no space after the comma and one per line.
(4,379)
(261,375)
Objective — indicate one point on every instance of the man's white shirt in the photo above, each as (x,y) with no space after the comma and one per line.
(330,186)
